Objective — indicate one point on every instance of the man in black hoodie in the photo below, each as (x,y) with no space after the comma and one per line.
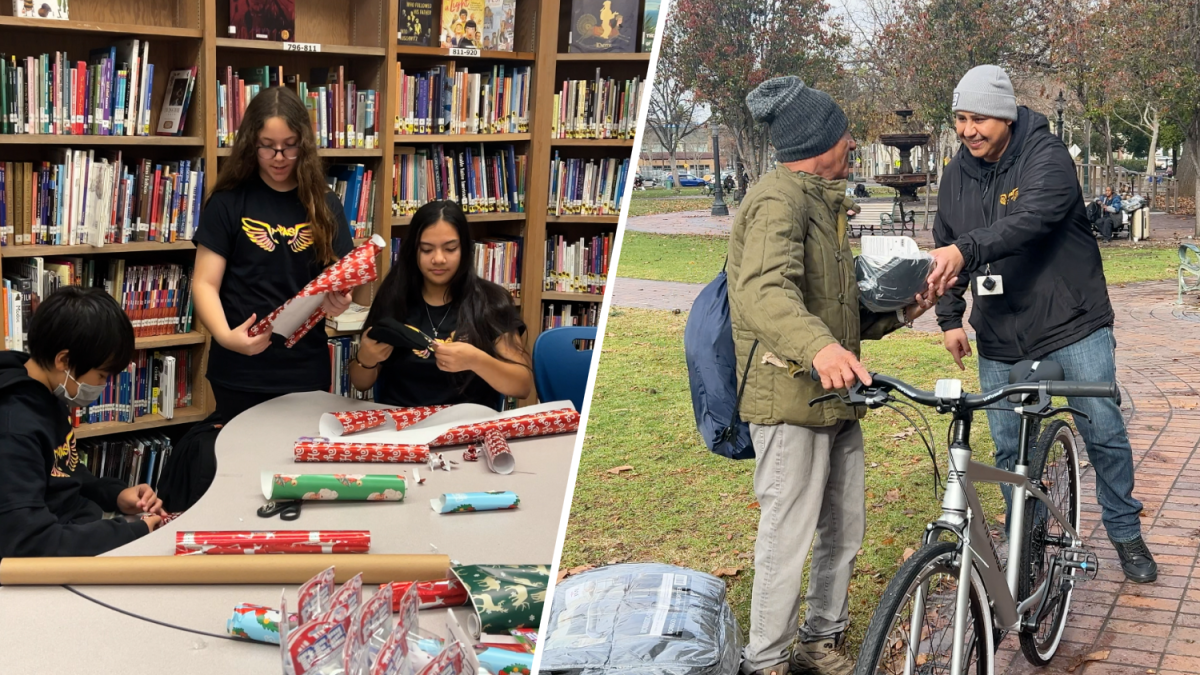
(50,504)
(1011,224)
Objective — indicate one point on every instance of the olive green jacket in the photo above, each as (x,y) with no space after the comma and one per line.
(792,287)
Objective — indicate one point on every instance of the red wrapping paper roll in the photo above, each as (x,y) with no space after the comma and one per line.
(381,453)
(406,417)
(283,541)
(523,426)
(495,451)
(360,420)
(433,594)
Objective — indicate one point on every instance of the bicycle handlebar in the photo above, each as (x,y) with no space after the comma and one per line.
(972,401)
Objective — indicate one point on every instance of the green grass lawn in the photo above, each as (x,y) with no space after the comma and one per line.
(682,504)
(1125,264)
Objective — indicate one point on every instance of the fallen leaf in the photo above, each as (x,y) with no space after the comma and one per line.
(908,553)
(619,469)
(563,574)
(922,659)
(726,571)
(752,505)
(908,431)
(889,541)
(892,496)
(1094,656)
(729,537)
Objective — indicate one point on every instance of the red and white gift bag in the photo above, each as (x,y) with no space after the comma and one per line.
(302,313)
(561,421)
(361,420)
(284,541)
(324,451)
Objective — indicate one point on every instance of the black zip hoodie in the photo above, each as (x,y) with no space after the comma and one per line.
(50,504)
(1022,219)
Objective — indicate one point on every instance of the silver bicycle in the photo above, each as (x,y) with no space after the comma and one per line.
(951,603)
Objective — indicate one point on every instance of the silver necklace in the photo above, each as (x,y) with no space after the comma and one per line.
(439,324)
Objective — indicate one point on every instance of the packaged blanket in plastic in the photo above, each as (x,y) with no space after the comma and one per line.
(642,618)
(890,271)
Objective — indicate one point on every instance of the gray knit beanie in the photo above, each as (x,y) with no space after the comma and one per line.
(986,90)
(804,122)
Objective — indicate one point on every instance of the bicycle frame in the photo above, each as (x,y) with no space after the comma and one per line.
(963,515)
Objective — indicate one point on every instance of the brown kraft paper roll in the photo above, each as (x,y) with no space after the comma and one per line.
(162,570)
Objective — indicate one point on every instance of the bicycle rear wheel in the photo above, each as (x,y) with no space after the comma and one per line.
(1056,464)
(926,583)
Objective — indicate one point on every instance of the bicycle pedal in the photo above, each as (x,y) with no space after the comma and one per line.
(1081,559)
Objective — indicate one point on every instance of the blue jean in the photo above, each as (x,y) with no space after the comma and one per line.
(1092,359)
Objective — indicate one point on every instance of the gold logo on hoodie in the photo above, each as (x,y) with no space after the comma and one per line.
(1008,198)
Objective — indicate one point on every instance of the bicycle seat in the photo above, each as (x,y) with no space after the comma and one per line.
(1034,371)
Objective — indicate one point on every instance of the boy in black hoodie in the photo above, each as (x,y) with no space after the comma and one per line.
(50,504)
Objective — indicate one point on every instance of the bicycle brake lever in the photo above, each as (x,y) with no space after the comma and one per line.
(1067,408)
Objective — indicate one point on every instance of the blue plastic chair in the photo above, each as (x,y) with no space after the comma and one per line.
(560,370)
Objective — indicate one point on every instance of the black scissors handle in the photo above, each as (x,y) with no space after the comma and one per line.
(286,509)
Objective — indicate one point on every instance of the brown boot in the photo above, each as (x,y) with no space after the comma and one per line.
(821,657)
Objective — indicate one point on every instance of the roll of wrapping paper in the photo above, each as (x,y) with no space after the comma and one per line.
(433,594)
(495,451)
(560,421)
(461,502)
(505,596)
(381,453)
(281,541)
(258,623)
(495,661)
(219,569)
(303,312)
(333,486)
(361,420)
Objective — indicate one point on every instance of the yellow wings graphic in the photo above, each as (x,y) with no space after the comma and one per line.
(260,233)
(302,238)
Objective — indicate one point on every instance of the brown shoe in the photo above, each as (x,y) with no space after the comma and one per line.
(821,657)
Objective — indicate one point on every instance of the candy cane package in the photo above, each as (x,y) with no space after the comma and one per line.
(294,318)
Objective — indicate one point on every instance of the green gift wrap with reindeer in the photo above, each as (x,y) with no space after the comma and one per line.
(505,596)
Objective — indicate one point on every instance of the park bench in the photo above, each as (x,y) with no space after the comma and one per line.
(1189,269)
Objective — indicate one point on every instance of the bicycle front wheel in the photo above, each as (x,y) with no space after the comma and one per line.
(926,586)
(1056,464)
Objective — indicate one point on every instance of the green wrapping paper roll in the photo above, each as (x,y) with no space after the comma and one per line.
(505,596)
(333,486)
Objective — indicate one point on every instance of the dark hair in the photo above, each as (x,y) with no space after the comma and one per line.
(485,310)
(242,162)
(86,322)
(471,24)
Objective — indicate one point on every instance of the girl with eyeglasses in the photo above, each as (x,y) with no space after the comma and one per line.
(269,227)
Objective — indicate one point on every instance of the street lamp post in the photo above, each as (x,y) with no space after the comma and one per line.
(718,206)
(1060,101)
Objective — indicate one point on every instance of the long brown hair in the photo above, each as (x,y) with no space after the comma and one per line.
(242,162)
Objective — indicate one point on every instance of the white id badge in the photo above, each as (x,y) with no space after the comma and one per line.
(991,284)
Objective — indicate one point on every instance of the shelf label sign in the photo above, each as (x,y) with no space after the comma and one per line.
(464,51)
(301,47)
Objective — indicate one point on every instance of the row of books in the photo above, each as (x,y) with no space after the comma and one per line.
(577,266)
(354,184)
(587,186)
(96,197)
(481,180)
(570,314)
(597,108)
(443,100)
(109,94)
(341,351)
(155,383)
(135,459)
(499,260)
(342,116)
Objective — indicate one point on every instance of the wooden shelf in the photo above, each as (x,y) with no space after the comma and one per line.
(583,219)
(413,139)
(403,221)
(270,46)
(593,142)
(85,139)
(326,152)
(99,28)
(182,416)
(573,297)
(137,247)
(631,57)
(408,50)
(330,332)
(173,340)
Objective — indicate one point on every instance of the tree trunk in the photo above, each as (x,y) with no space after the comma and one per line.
(674,173)
(1108,160)
(1186,173)
(1151,165)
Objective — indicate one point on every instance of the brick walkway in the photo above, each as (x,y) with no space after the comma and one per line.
(1151,628)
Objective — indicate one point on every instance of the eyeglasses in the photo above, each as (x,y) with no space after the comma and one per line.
(266,152)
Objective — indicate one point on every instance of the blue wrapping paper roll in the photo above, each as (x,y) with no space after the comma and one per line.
(254,622)
(461,502)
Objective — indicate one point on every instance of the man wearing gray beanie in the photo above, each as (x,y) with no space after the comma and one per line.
(1012,225)
(794,306)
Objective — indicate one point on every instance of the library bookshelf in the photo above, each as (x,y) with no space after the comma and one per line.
(361,36)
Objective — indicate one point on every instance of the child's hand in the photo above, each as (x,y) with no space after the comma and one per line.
(456,357)
(335,303)
(371,352)
(139,499)
(239,339)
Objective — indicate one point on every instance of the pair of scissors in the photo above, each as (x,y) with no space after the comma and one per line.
(287,509)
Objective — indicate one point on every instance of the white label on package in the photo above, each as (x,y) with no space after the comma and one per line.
(662,609)
(888,247)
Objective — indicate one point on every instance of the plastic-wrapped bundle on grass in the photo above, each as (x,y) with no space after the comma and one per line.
(890,272)
(643,618)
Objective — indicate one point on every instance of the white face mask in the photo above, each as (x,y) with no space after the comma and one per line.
(85,394)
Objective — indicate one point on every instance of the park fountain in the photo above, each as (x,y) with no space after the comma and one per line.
(905,182)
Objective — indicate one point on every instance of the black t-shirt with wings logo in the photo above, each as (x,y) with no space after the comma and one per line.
(267,242)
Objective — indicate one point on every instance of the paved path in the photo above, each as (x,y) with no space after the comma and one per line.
(1143,628)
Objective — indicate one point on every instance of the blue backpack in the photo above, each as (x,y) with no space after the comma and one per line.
(712,363)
